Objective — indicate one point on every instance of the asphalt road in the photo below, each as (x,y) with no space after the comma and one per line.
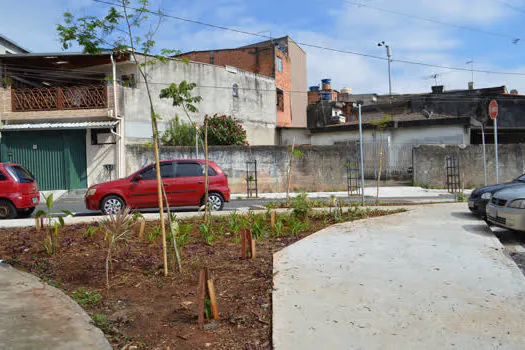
(76,205)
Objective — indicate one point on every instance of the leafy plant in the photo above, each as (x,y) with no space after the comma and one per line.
(207,233)
(151,236)
(86,298)
(234,223)
(380,125)
(91,230)
(301,205)
(117,227)
(279,227)
(225,131)
(100,321)
(178,133)
(52,225)
(461,197)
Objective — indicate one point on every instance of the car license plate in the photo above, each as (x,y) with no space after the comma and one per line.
(35,200)
(493,212)
(471,204)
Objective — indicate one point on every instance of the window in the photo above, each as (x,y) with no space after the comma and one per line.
(211,172)
(212,57)
(166,171)
(2,176)
(21,174)
(235,89)
(189,169)
(280,100)
(279,64)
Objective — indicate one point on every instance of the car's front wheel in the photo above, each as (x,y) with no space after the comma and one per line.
(112,205)
(7,209)
(216,201)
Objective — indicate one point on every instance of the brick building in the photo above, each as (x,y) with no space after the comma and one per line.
(281,59)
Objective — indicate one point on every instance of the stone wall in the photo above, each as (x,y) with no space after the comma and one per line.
(430,165)
(320,169)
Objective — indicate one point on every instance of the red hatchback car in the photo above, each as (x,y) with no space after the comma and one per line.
(183,181)
(18,191)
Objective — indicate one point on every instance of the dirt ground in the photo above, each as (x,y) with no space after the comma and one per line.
(145,310)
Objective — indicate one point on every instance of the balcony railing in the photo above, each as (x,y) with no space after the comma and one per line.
(60,98)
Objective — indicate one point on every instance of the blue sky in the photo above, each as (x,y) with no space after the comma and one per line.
(335,23)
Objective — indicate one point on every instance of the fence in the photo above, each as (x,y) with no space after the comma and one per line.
(60,98)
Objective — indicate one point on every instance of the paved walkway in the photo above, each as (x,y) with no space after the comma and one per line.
(34,315)
(432,278)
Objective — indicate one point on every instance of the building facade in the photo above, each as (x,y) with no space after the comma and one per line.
(9,47)
(281,59)
(69,121)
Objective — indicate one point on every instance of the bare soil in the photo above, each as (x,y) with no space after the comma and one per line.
(149,311)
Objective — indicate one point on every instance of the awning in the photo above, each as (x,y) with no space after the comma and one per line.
(60,126)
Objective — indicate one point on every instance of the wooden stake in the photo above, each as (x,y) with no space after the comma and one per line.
(213,300)
(243,244)
(201,295)
(37,224)
(272,219)
(249,243)
(141,229)
(252,248)
(206,179)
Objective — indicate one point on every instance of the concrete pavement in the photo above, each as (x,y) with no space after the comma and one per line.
(34,315)
(432,278)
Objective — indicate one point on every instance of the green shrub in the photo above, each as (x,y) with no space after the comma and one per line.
(225,131)
(179,133)
(85,297)
(301,205)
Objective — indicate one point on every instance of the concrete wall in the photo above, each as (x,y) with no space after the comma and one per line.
(301,136)
(96,157)
(321,168)
(430,165)
(255,106)
(450,134)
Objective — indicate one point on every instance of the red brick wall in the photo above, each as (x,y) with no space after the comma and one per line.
(313,97)
(245,59)
(283,81)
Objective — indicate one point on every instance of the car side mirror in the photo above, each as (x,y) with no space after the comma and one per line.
(137,178)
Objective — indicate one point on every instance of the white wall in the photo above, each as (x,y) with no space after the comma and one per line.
(96,157)
(255,106)
(301,136)
(444,134)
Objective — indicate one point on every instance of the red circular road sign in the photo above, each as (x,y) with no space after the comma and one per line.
(493,109)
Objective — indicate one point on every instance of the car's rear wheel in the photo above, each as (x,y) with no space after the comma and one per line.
(216,201)
(112,205)
(7,209)
(25,213)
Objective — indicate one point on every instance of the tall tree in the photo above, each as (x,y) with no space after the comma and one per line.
(126,28)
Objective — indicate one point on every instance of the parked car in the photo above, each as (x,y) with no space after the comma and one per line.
(18,191)
(507,209)
(479,198)
(183,182)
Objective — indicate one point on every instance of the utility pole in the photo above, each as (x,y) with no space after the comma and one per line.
(389,56)
(361,155)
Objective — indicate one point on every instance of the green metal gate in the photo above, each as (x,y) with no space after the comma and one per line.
(56,158)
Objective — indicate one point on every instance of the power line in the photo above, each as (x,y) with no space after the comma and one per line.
(510,6)
(404,61)
(431,20)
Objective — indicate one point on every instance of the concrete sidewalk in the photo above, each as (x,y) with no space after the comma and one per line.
(34,315)
(432,278)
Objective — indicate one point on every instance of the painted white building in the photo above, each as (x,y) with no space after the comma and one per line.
(9,47)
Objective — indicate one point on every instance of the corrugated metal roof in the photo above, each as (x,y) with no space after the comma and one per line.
(60,126)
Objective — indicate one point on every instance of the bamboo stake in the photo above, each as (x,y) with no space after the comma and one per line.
(272,219)
(243,244)
(206,184)
(213,300)
(141,229)
(37,224)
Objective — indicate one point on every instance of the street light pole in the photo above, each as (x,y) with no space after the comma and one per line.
(361,156)
(389,56)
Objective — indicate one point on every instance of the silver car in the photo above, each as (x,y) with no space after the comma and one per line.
(507,209)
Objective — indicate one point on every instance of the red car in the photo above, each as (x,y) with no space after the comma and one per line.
(183,182)
(18,191)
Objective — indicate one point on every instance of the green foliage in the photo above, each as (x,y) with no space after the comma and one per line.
(51,225)
(86,298)
(382,123)
(207,233)
(461,197)
(91,230)
(225,131)
(178,133)
(152,235)
(301,205)
(100,321)
(181,96)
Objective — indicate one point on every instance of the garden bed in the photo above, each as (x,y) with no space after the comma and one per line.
(147,310)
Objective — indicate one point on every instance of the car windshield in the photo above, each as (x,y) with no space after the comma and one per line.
(520,178)
(20,173)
